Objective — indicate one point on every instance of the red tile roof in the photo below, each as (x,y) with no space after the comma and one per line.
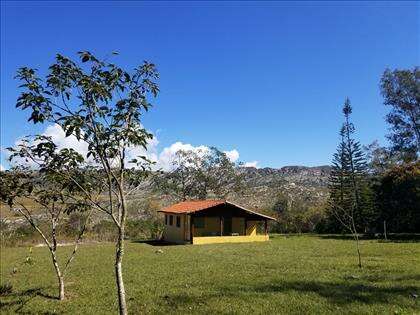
(198,205)
(192,206)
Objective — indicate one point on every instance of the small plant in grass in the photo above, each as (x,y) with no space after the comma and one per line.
(29,260)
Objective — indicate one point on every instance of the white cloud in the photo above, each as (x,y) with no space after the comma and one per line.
(251,164)
(233,155)
(151,152)
(59,138)
(167,155)
(163,159)
(1,167)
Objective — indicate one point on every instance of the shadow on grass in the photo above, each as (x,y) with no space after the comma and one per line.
(342,293)
(9,301)
(336,293)
(155,242)
(391,238)
(392,278)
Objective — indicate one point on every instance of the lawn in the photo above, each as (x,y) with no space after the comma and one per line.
(287,275)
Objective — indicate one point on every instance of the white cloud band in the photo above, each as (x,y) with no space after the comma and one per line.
(163,159)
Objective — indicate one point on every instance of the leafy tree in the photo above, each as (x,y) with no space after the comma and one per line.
(350,197)
(51,193)
(281,203)
(379,159)
(197,175)
(401,91)
(297,216)
(180,181)
(398,197)
(101,104)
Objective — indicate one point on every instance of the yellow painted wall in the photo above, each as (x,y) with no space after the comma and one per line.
(229,239)
(210,232)
(251,228)
(175,234)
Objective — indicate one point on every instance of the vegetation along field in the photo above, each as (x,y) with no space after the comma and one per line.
(287,275)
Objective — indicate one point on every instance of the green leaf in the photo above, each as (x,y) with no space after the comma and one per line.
(69,131)
(85,58)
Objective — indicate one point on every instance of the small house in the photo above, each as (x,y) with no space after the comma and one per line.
(213,221)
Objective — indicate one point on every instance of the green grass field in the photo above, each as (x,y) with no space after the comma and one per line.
(288,275)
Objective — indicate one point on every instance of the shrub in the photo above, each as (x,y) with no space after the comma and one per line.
(144,229)
(74,224)
(104,231)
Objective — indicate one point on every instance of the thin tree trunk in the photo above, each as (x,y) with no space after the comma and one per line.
(356,237)
(358,250)
(385,230)
(60,277)
(52,248)
(118,272)
(61,283)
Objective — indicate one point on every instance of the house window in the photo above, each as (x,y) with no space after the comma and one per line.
(178,221)
(171,220)
(166,219)
(199,222)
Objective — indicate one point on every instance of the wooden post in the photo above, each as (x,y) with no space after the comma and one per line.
(191,228)
(385,230)
(184,218)
(245,225)
(221,226)
(265,227)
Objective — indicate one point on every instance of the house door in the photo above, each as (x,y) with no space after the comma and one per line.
(227,226)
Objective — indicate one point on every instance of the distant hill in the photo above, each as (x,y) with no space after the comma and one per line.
(262,185)
(308,184)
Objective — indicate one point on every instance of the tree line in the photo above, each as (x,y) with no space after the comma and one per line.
(374,189)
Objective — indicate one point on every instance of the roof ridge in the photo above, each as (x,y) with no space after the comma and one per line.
(191,206)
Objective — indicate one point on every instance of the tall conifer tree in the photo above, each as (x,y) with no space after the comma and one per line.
(350,197)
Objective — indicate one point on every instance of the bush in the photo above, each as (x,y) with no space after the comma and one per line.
(104,231)
(74,224)
(398,199)
(18,234)
(144,229)
(298,216)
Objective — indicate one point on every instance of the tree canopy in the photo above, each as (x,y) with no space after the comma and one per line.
(401,91)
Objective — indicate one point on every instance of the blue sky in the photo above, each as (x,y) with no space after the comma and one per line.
(265,78)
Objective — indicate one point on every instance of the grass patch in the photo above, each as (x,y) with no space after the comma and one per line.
(287,275)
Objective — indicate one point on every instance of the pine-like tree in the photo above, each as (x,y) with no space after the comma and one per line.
(350,195)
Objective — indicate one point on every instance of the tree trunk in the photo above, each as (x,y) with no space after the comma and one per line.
(60,277)
(358,251)
(61,283)
(118,272)
(356,238)
(385,231)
